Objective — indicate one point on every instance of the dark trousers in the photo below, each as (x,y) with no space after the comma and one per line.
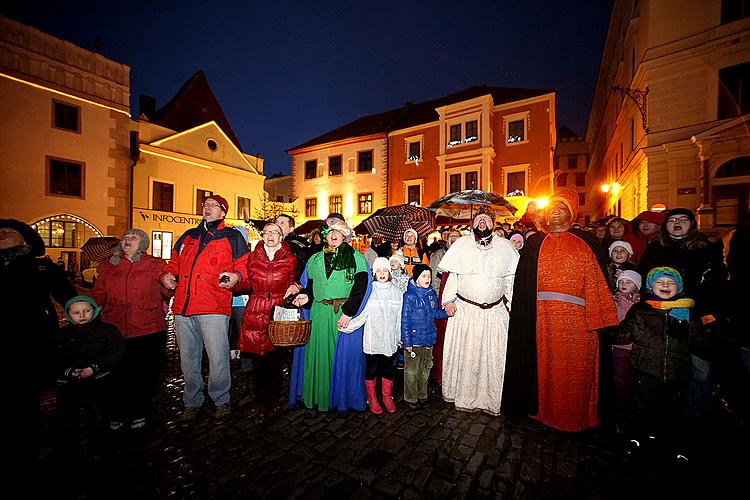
(380,365)
(267,378)
(235,322)
(89,394)
(135,378)
(658,409)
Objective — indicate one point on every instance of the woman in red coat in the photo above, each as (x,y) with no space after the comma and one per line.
(132,298)
(271,268)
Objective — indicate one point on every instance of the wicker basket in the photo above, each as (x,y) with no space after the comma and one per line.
(289,333)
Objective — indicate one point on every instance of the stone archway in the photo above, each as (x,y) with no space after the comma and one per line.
(63,236)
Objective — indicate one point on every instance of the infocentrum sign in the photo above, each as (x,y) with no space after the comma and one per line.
(151,220)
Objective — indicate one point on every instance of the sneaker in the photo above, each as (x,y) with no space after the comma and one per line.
(116,425)
(138,423)
(222,411)
(190,413)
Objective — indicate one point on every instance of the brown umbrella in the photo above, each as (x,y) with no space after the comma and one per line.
(390,223)
(465,204)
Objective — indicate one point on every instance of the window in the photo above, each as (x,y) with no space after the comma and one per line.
(562,180)
(161,244)
(581,199)
(731,10)
(58,233)
(311,207)
(364,161)
(311,168)
(470,180)
(162,197)
(572,161)
(413,194)
(212,145)
(455,182)
(334,203)
(734,91)
(472,131)
(243,208)
(65,178)
(415,151)
(280,198)
(334,165)
(516,131)
(455,135)
(516,182)
(66,116)
(201,195)
(580,179)
(365,203)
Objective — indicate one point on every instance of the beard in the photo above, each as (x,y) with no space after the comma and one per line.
(483,236)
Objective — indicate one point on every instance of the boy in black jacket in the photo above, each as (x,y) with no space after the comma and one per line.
(88,349)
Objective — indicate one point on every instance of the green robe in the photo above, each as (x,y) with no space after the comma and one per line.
(322,344)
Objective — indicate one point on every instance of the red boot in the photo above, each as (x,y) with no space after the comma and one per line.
(387,386)
(372,399)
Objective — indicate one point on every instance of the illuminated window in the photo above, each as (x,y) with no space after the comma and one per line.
(516,131)
(243,208)
(311,169)
(365,203)
(334,203)
(65,178)
(364,161)
(311,207)
(472,131)
(334,165)
(455,135)
(66,116)
(415,151)
(201,195)
(454,182)
(58,233)
(470,180)
(162,197)
(413,194)
(161,244)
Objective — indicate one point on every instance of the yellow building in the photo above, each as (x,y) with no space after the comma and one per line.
(64,139)
(669,120)
(187,152)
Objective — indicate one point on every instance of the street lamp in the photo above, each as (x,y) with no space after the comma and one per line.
(605,188)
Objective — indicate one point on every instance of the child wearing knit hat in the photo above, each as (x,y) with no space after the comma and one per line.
(626,296)
(620,252)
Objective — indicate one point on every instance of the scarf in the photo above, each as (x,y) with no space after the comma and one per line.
(8,255)
(678,307)
(342,259)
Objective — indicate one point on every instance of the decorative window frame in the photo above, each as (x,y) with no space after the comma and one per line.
(341,166)
(413,182)
(510,169)
(507,119)
(462,120)
(372,203)
(410,140)
(304,169)
(80,117)
(372,167)
(315,199)
(48,177)
(151,181)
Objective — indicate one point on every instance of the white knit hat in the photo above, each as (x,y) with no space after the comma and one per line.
(632,276)
(621,243)
(381,263)
(410,230)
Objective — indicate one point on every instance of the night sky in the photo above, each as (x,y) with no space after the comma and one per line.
(287,71)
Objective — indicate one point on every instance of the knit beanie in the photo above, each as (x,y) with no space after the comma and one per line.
(142,246)
(632,276)
(419,269)
(221,201)
(621,243)
(410,230)
(82,298)
(398,259)
(381,263)
(664,272)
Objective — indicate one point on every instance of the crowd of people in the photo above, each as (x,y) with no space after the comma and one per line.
(628,323)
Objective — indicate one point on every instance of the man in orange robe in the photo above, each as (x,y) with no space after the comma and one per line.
(558,369)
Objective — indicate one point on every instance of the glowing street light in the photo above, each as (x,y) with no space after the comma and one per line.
(605,188)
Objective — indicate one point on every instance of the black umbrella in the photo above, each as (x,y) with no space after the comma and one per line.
(98,249)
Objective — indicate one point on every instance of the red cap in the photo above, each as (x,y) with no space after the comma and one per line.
(221,201)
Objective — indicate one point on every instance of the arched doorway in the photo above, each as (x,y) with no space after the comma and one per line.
(63,236)
(731,191)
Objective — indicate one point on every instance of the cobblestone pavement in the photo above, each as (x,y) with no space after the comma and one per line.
(431,452)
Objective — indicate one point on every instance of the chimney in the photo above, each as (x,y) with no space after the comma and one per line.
(146,105)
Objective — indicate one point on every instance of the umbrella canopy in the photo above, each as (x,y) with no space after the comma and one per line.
(308,226)
(99,249)
(390,223)
(465,204)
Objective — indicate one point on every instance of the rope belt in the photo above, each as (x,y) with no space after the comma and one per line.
(485,305)
(336,303)
(561,297)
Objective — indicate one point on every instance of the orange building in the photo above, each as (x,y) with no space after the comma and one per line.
(491,138)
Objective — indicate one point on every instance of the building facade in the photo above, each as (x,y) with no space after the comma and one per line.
(669,120)
(64,139)
(489,138)
(571,162)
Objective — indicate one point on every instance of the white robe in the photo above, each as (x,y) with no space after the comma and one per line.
(476,339)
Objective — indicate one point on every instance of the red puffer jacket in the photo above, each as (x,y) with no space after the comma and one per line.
(131,296)
(268,281)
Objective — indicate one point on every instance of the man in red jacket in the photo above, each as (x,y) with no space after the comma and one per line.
(206,263)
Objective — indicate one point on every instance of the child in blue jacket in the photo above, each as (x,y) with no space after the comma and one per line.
(418,333)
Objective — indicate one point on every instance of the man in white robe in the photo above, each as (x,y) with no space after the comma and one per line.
(479,290)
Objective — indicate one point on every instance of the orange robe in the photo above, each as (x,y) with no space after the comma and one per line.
(566,338)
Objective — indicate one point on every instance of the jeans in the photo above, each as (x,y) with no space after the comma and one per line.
(699,391)
(193,334)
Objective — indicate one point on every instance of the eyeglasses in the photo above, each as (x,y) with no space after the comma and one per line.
(208,204)
(678,219)
(269,233)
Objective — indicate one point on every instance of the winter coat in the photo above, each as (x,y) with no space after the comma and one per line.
(267,280)
(661,343)
(411,257)
(199,256)
(95,344)
(418,315)
(300,248)
(614,270)
(381,318)
(131,296)
(623,303)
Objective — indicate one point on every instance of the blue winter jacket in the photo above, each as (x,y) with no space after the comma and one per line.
(418,315)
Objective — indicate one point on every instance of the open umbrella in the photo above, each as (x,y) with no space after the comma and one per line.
(390,223)
(465,204)
(99,248)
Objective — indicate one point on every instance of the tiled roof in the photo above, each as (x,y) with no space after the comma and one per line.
(410,115)
(193,105)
